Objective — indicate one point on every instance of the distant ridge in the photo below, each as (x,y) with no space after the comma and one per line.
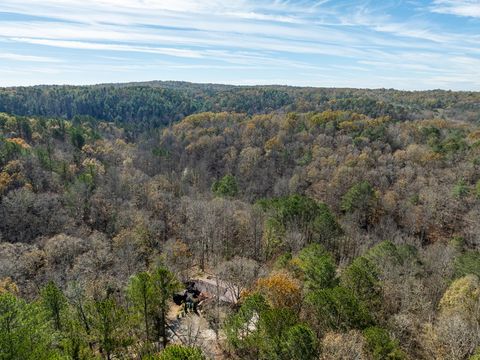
(145,105)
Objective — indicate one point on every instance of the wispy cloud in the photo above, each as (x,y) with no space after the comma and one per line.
(468,8)
(28,58)
(361,43)
(110,47)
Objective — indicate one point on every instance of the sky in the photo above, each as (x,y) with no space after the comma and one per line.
(410,44)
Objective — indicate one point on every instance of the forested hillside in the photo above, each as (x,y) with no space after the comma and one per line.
(344,223)
(142,106)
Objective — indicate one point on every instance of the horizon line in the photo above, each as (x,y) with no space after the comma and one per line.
(236,85)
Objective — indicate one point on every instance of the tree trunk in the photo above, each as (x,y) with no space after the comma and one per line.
(145,315)
(164,329)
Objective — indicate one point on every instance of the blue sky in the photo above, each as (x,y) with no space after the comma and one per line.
(411,44)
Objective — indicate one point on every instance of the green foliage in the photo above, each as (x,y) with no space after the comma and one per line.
(273,233)
(55,303)
(273,325)
(318,267)
(241,328)
(282,261)
(292,210)
(3,120)
(415,199)
(329,117)
(338,309)
(258,331)
(384,250)
(325,226)
(359,197)
(74,341)
(432,135)
(161,152)
(407,253)
(88,179)
(454,142)
(164,284)
(444,141)
(76,326)
(460,189)
(381,346)
(305,159)
(45,157)
(108,321)
(144,106)
(387,256)
(77,137)
(24,334)
(125,191)
(475,356)
(362,278)
(467,263)
(59,129)
(180,352)
(300,343)
(301,213)
(141,292)
(9,150)
(226,186)
(150,293)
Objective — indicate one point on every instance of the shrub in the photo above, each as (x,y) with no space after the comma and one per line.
(226,186)
(381,346)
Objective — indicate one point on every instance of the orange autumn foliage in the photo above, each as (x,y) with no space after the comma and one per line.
(20,142)
(281,289)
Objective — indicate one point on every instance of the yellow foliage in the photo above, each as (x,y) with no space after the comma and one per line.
(280,289)
(431,156)
(330,116)
(251,126)
(295,265)
(461,296)
(37,137)
(199,118)
(5,180)
(273,144)
(349,126)
(94,164)
(364,158)
(400,155)
(88,149)
(13,167)
(474,136)
(228,132)
(390,200)
(438,123)
(20,142)
(342,176)
(331,160)
(419,154)
(7,285)
(289,122)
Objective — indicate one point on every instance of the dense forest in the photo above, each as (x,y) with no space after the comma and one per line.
(143,106)
(338,223)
